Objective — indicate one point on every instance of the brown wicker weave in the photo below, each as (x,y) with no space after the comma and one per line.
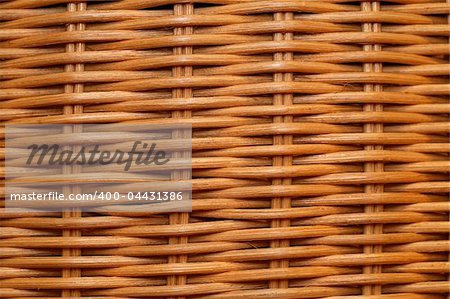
(320,149)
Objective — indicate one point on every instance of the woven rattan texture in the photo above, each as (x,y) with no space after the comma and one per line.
(320,146)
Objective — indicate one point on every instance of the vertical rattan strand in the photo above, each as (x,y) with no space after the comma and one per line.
(448,276)
(180,218)
(76,109)
(281,99)
(372,167)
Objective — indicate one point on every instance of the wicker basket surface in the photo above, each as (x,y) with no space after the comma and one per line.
(320,146)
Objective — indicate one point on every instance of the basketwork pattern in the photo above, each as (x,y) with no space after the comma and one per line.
(320,146)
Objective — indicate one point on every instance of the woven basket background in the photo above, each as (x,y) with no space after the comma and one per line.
(320,146)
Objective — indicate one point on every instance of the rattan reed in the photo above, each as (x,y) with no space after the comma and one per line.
(320,146)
